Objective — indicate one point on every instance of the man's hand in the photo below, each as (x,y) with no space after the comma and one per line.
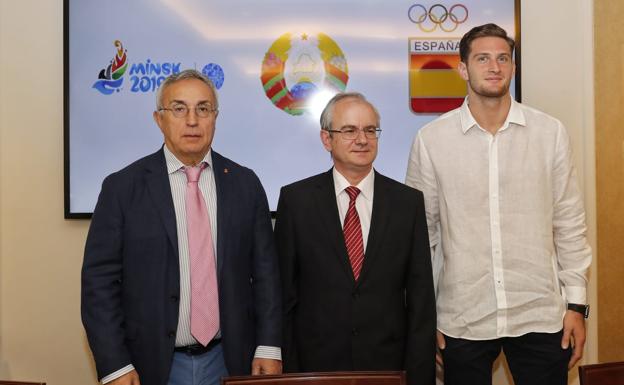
(130,378)
(441,345)
(573,326)
(265,366)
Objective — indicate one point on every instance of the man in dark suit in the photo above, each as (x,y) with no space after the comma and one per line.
(354,258)
(158,307)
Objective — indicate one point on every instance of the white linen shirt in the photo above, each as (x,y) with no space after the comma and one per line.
(508,215)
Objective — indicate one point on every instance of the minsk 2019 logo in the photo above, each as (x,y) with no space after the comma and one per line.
(295,68)
(111,78)
(145,76)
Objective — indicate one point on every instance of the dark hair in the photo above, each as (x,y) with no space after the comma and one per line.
(485,30)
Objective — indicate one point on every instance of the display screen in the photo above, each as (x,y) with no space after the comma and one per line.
(275,64)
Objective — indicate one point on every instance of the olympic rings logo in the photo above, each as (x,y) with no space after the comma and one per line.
(437,15)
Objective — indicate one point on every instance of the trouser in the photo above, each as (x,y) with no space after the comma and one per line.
(202,369)
(533,358)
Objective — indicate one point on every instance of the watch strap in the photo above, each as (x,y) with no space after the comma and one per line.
(583,309)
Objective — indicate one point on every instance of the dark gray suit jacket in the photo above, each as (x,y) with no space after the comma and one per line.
(384,321)
(131,280)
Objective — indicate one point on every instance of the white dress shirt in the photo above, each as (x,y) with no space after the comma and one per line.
(207,186)
(363,202)
(508,215)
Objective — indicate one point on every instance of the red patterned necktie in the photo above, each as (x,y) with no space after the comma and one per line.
(353,233)
(204,291)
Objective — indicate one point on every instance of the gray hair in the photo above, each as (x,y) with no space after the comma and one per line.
(183,75)
(328,111)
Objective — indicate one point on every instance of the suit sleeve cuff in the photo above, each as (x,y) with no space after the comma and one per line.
(118,373)
(270,352)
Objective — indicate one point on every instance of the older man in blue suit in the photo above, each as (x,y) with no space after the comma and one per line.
(180,282)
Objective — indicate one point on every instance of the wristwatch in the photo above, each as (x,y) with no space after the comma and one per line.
(583,309)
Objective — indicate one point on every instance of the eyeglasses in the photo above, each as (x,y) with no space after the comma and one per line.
(351,133)
(182,110)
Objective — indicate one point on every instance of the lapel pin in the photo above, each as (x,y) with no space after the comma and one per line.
(225,170)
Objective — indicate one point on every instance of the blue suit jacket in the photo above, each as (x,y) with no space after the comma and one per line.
(131,280)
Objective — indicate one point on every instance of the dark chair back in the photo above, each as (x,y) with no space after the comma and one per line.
(330,378)
(602,374)
(20,383)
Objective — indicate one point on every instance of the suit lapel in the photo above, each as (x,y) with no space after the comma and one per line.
(378,225)
(224,206)
(157,181)
(330,220)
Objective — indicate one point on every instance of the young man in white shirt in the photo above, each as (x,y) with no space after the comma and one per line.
(506,227)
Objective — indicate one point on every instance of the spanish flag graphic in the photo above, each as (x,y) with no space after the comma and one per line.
(434,82)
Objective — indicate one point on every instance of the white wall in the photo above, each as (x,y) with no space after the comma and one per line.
(41,337)
(557,77)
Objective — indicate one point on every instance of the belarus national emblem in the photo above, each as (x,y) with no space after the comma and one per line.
(297,67)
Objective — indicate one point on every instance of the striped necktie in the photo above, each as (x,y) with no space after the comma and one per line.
(204,290)
(353,233)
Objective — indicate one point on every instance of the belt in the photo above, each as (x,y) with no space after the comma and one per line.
(197,349)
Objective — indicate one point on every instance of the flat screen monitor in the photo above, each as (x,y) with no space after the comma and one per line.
(275,64)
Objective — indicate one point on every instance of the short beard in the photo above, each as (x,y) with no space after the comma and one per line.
(497,93)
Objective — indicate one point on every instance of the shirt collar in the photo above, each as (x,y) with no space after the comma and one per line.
(366,185)
(515,115)
(174,164)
